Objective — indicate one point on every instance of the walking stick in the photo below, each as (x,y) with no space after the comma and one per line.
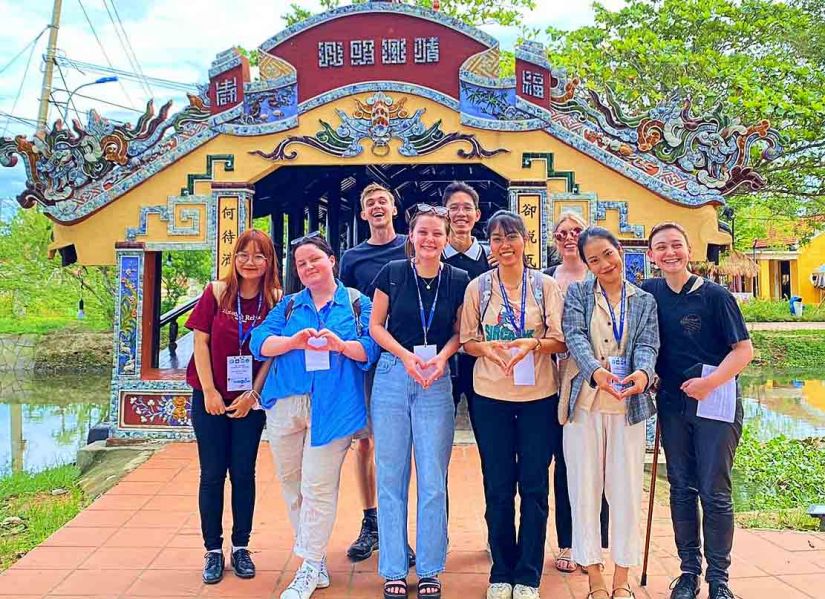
(652,494)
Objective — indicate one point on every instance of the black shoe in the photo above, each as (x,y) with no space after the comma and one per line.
(213,567)
(720,590)
(367,541)
(242,564)
(411,556)
(685,587)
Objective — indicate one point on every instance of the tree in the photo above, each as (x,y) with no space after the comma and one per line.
(756,58)
(179,270)
(472,12)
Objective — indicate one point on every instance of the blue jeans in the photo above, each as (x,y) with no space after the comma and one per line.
(406,418)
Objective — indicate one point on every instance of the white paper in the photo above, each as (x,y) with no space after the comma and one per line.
(618,366)
(238,373)
(316,360)
(720,404)
(426,353)
(524,372)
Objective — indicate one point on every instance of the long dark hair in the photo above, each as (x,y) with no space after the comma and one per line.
(271,281)
(507,222)
(596,233)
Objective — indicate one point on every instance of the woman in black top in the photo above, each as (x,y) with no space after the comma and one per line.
(415,316)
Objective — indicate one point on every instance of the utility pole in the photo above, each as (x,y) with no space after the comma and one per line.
(48,72)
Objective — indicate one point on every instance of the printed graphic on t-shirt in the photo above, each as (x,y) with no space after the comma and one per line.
(691,323)
(234,316)
(503,329)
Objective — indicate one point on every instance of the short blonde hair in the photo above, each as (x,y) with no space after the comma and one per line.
(373,188)
(569,215)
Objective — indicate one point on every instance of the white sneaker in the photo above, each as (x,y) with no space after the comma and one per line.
(500,590)
(524,592)
(323,576)
(304,583)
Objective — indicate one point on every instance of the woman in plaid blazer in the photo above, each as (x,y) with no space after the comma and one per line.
(613,338)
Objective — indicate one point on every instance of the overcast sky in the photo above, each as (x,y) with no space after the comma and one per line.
(172,39)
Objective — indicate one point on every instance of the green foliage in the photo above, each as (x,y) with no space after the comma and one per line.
(181,269)
(472,12)
(757,310)
(28,497)
(33,286)
(789,349)
(779,474)
(757,58)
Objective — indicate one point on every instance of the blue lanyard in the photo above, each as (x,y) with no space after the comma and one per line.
(509,309)
(428,322)
(242,338)
(617,333)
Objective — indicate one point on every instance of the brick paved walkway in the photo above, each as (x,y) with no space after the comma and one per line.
(142,539)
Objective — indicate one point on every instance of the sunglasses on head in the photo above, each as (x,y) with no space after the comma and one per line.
(572,233)
(439,211)
(305,238)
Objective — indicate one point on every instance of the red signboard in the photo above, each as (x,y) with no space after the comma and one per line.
(377,47)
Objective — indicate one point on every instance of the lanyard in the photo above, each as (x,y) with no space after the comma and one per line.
(428,322)
(617,333)
(509,309)
(242,338)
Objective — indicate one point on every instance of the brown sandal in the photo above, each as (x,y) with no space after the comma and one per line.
(564,561)
(627,588)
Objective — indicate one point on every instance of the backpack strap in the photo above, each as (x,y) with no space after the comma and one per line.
(290,306)
(355,304)
(537,289)
(485,292)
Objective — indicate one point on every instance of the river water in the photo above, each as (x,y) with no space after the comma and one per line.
(45,420)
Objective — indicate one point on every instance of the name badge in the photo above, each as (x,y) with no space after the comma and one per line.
(524,372)
(238,373)
(619,367)
(426,353)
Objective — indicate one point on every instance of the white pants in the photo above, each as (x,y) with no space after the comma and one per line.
(605,455)
(309,476)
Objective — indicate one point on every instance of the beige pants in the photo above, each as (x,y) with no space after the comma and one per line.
(605,455)
(309,475)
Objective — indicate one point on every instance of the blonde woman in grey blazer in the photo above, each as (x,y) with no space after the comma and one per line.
(613,338)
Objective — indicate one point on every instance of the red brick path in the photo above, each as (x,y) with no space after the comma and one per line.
(142,539)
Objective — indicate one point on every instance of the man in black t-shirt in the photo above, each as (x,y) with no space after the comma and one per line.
(358,268)
(699,323)
(464,252)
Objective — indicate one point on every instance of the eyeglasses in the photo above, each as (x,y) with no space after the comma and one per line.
(244,257)
(458,208)
(304,239)
(439,211)
(572,233)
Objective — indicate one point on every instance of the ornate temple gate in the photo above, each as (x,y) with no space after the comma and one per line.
(370,92)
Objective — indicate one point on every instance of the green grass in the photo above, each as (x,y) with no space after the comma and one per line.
(48,324)
(28,496)
(793,519)
(757,310)
(789,349)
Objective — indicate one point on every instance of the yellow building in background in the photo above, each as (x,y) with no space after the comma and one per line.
(784,273)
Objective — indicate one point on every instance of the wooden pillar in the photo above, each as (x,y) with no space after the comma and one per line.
(312,209)
(295,229)
(334,217)
(276,231)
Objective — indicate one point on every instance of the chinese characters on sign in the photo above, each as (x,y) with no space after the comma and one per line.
(529,209)
(228,231)
(226,92)
(426,50)
(532,84)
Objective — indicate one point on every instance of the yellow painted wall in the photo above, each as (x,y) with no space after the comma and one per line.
(811,257)
(764,278)
(95,237)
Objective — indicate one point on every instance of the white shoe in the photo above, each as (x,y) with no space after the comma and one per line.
(323,576)
(500,590)
(304,584)
(524,592)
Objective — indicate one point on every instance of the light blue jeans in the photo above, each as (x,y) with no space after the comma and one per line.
(406,418)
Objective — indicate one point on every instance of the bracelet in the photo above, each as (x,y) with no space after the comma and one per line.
(538,344)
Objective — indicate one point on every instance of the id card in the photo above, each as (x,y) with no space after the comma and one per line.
(316,359)
(426,353)
(238,373)
(524,372)
(619,367)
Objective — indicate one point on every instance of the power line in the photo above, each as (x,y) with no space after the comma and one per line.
(131,49)
(19,119)
(26,47)
(122,40)
(103,50)
(88,66)
(63,78)
(76,95)
(20,89)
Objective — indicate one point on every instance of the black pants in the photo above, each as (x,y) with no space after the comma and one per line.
(564,517)
(461,371)
(226,444)
(699,456)
(512,439)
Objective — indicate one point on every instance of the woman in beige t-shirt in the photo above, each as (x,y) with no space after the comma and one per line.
(511,321)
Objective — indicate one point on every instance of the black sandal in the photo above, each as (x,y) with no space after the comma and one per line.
(429,587)
(393,589)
